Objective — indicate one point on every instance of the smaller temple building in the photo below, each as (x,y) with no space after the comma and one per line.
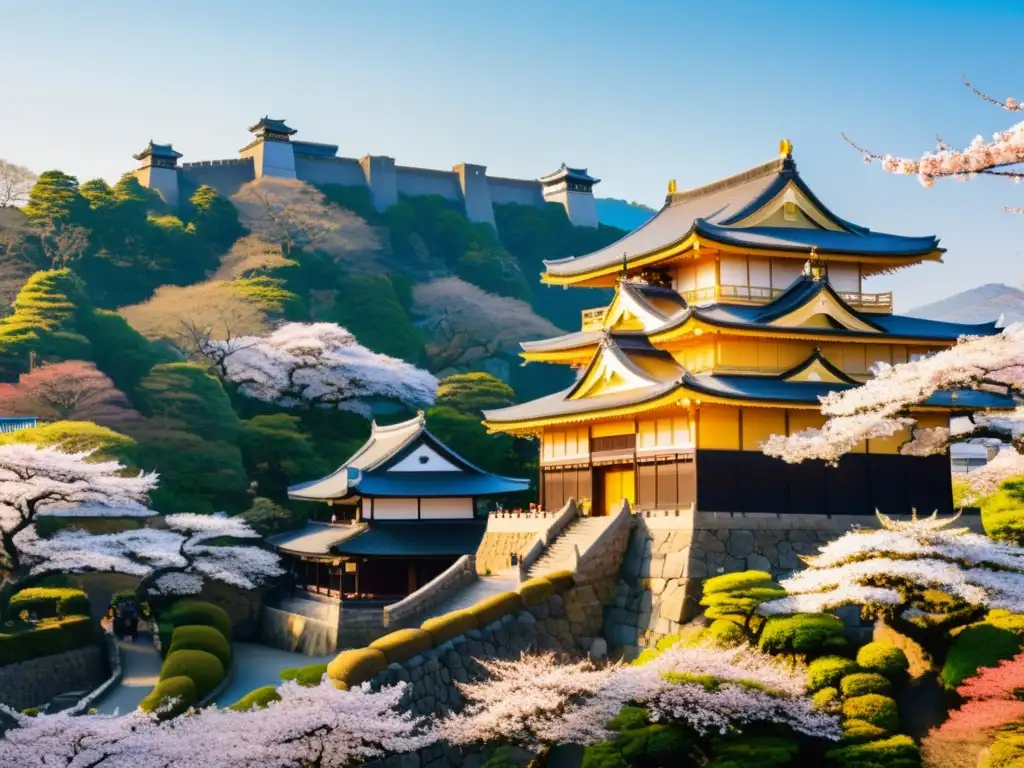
(404,508)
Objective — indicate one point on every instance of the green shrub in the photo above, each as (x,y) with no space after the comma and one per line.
(894,752)
(197,637)
(723,633)
(450,625)
(493,608)
(1002,513)
(181,688)
(309,676)
(48,602)
(979,645)
(885,659)
(22,642)
(742,751)
(859,731)
(863,683)
(204,669)
(1006,620)
(826,698)
(873,708)
(640,742)
(562,580)
(1007,750)
(808,634)
(827,671)
(31,711)
(536,591)
(403,644)
(188,612)
(357,665)
(735,582)
(257,699)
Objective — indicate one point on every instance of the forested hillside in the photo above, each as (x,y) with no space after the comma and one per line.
(126,322)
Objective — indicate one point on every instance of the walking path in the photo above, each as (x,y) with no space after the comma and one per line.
(474,592)
(140,671)
(258,665)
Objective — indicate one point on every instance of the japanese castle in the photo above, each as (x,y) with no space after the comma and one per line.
(736,308)
(406,507)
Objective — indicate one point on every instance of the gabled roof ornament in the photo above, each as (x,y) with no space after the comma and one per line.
(785,148)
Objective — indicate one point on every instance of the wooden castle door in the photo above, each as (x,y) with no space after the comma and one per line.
(619,484)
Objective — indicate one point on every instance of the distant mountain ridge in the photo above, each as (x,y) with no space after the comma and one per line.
(977,305)
(622,214)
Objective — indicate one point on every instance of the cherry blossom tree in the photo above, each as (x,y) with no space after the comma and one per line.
(995,157)
(34,479)
(316,726)
(15,183)
(73,389)
(893,570)
(880,407)
(537,701)
(317,364)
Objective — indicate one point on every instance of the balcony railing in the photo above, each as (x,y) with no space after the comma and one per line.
(869,302)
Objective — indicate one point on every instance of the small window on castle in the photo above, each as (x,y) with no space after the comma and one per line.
(789,211)
(424,459)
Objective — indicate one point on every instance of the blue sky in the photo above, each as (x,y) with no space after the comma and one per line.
(639,93)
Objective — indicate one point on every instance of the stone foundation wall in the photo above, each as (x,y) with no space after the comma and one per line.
(496,549)
(457,576)
(33,683)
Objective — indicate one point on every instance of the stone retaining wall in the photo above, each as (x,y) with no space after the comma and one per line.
(496,549)
(33,683)
(461,573)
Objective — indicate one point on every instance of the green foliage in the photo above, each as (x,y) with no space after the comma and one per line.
(894,752)
(271,295)
(734,596)
(860,731)
(885,659)
(355,199)
(48,602)
(278,452)
(826,698)
(267,518)
(189,394)
(474,393)
(641,743)
(873,708)
(257,699)
(214,219)
(204,669)
(742,751)
(198,637)
(56,196)
(1006,620)
(181,688)
(827,671)
(79,436)
(495,607)
(366,304)
(1002,513)
(121,352)
(808,634)
(310,675)
(862,683)
(979,645)
(21,641)
(48,311)
(403,644)
(1007,749)
(191,612)
(450,625)
(724,633)
(357,665)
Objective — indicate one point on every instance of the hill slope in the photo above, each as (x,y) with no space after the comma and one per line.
(622,214)
(978,305)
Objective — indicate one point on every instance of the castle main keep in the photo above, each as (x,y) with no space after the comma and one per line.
(273,152)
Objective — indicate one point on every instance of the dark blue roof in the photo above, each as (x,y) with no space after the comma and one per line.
(437,484)
(860,243)
(270,124)
(416,538)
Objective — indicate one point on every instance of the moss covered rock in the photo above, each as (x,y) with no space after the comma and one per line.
(450,625)
(309,675)
(180,690)
(808,634)
(357,665)
(536,591)
(873,708)
(862,683)
(495,607)
(197,637)
(403,644)
(256,699)
(827,671)
(191,612)
(885,659)
(204,669)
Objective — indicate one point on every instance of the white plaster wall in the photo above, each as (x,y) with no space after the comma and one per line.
(844,277)
(164,181)
(706,274)
(434,462)
(760,273)
(733,270)
(686,278)
(446,509)
(785,271)
(329,170)
(581,208)
(394,509)
(278,159)
(663,433)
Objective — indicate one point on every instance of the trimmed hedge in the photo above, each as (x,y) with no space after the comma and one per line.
(495,607)
(197,637)
(807,634)
(403,644)
(827,671)
(257,699)
(860,731)
(872,708)
(203,668)
(885,659)
(49,602)
(724,633)
(189,612)
(449,625)
(536,591)
(357,665)
(894,752)
(562,580)
(733,582)
(862,683)
(309,676)
(826,698)
(979,645)
(181,688)
(49,636)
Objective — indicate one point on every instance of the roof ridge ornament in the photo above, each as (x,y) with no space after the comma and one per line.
(785,148)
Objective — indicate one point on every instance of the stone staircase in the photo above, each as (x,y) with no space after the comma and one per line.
(559,554)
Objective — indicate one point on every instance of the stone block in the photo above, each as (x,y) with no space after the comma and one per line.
(657,586)
(741,543)
(758,563)
(671,608)
(676,564)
